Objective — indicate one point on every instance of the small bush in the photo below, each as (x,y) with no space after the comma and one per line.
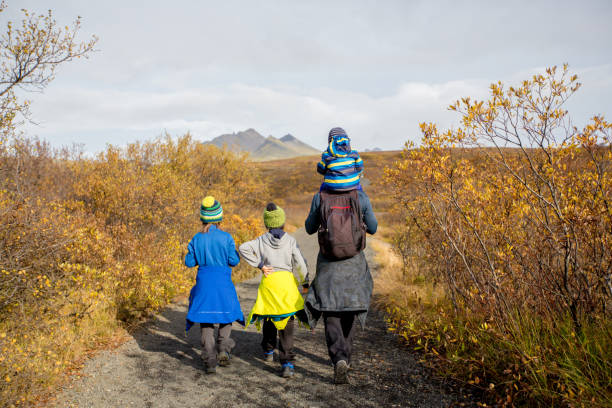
(511,213)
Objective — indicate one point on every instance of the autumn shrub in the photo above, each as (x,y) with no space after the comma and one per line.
(88,244)
(511,213)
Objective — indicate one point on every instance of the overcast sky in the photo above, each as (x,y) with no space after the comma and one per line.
(376,68)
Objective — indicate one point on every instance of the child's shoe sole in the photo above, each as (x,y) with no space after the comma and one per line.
(223,359)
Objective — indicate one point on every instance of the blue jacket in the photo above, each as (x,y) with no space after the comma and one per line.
(213,299)
(340,165)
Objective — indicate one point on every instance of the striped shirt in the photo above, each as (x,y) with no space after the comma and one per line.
(340,165)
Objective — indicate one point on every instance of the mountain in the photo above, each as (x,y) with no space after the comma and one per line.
(298,145)
(283,148)
(248,140)
(264,148)
(272,148)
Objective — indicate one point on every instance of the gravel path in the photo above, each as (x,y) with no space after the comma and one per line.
(160,367)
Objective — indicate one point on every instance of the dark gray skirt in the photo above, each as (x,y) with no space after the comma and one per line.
(340,286)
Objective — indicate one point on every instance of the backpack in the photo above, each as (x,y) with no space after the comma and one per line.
(342,233)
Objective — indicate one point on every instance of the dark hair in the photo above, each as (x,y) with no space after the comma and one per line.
(206,225)
(273,207)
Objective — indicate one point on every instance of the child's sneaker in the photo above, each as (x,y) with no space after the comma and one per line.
(224,359)
(288,370)
(341,372)
(269,356)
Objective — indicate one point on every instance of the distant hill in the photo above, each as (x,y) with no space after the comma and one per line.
(376,149)
(264,148)
(248,140)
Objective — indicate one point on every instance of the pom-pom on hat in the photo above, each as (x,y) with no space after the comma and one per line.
(211,210)
(274,216)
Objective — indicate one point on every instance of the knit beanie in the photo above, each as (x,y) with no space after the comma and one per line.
(211,210)
(274,216)
(337,131)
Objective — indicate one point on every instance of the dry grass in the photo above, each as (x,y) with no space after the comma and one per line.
(292,183)
(534,364)
(414,291)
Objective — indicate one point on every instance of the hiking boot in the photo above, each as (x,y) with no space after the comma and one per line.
(269,356)
(223,358)
(288,370)
(211,369)
(341,372)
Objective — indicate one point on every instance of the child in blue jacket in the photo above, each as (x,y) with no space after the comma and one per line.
(340,165)
(213,299)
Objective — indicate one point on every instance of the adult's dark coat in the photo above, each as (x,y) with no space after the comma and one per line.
(345,285)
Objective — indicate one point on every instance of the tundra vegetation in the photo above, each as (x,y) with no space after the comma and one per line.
(89,246)
(497,266)
(505,246)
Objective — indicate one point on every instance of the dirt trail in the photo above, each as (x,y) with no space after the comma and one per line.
(160,367)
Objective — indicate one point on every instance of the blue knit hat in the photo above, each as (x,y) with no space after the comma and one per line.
(211,210)
(337,131)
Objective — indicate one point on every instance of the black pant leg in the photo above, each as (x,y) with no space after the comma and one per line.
(348,320)
(340,329)
(285,347)
(268,342)
(334,337)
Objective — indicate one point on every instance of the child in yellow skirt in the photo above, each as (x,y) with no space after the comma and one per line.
(279,300)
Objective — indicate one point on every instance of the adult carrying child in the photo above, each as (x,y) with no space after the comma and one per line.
(342,287)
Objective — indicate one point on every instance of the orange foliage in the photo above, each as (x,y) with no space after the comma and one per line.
(87,242)
(512,213)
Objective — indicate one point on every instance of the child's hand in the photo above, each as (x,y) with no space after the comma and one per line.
(267,270)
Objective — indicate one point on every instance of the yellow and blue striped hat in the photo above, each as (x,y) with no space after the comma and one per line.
(211,210)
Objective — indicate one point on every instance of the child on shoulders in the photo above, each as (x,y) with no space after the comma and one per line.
(340,165)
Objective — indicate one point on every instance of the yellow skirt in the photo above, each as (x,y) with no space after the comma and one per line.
(278,298)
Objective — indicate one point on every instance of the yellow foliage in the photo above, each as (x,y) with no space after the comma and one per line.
(511,213)
(88,244)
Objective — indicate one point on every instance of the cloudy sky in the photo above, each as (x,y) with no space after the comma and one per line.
(376,68)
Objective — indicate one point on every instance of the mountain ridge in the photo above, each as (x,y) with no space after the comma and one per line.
(263,148)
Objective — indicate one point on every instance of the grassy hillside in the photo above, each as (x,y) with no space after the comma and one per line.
(274,149)
(292,183)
